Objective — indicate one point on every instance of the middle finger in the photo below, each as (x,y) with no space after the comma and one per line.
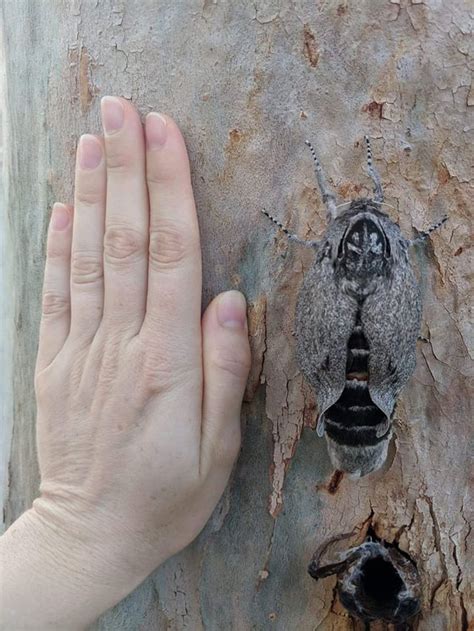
(126,225)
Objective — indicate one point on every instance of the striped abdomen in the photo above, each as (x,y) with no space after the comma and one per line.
(354,420)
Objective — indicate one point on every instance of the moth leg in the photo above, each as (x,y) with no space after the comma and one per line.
(291,237)
(374,174)
(329,198)
(426,233)
(317,572)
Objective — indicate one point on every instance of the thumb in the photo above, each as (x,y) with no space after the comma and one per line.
(226,365)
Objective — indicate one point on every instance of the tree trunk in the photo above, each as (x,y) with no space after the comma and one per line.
(248,82)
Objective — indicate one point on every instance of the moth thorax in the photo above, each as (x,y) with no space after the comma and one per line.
(364,248)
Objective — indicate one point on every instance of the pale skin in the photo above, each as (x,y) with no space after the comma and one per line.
(138,396)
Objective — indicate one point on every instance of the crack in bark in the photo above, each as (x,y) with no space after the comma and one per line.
(459,580)
(257,326)
(404,529)
(330,609)
(438,547)
(284,450)
(261,579)
(180,599)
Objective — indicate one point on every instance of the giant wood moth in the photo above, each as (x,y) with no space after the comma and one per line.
(357,323)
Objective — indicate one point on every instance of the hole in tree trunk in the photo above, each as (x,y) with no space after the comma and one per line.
(380,584)
(376,580)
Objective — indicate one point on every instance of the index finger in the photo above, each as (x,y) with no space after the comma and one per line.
(174,266)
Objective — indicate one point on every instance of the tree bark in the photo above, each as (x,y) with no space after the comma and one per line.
(247,82)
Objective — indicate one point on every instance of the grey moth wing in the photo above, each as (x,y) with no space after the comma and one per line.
(391,323)
(323,323)
(321,426)
(383,427)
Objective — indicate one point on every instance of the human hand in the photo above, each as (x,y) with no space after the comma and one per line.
(138,399)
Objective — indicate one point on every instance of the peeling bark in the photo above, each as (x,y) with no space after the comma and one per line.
(248,82)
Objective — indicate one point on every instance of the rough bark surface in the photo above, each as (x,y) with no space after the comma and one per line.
(247,82)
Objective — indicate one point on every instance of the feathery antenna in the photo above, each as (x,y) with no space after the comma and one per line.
(422,236)
(329,198)
(291,237)
(373,173)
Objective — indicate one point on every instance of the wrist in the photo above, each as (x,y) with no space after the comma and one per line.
(58,573)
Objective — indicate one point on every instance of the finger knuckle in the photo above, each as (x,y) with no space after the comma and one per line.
(86,268)
(57,250)
(170,245)
(54,303)
(162,375)
(88,197)
(159,175)
(123,244)
(161,366)
(235,363)
(118,160)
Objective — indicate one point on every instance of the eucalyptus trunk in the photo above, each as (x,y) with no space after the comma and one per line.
(248,82)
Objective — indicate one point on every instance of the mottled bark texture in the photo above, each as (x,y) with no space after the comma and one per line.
(247,82)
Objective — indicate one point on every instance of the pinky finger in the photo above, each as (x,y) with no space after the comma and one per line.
(56,304)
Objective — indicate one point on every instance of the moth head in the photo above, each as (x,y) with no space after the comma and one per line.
(364,248)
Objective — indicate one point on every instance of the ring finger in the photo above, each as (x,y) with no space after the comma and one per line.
(87,278)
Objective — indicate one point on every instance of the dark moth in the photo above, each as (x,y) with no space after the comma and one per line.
(357,322)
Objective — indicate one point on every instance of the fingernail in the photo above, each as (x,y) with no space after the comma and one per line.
(232,310)
(61,217)
(112,114)
(155,128)
(90,152)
